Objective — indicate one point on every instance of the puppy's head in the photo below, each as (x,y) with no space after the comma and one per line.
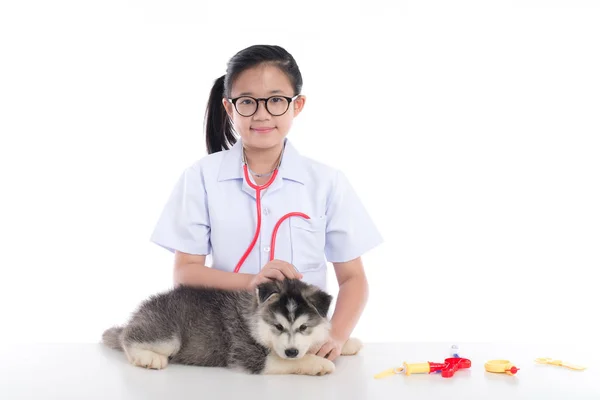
(292,317)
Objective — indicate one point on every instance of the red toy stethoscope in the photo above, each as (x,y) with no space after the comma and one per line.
(258,189)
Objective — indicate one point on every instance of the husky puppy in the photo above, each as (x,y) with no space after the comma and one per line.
(266,332)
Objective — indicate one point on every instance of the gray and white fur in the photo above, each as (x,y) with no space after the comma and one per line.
(266,332)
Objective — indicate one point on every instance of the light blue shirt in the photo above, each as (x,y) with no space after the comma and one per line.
(212,211)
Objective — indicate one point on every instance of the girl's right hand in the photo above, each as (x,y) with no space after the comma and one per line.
(275,270)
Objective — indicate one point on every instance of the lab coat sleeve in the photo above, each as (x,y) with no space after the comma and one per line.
(184,223)
(350,231)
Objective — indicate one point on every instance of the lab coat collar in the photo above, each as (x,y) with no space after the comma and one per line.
(292,164)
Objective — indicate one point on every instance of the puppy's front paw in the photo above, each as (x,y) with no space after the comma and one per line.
(147,359)
(315,365)
(351,347)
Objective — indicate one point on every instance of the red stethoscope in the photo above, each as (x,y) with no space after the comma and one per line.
(258,189)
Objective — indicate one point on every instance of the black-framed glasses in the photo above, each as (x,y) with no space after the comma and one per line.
(247,106)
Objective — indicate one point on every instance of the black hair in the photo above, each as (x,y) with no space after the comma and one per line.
(219,129)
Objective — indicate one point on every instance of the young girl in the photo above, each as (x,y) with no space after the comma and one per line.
(213,209)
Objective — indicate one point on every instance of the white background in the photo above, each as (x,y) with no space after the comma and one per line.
(470,130)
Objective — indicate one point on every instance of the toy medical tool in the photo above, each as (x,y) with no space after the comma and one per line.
(559,363)
(447,368)
(501,367)
(258,189)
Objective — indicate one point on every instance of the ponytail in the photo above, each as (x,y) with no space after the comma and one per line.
(219,131)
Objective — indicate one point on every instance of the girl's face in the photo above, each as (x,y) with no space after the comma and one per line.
(263,130)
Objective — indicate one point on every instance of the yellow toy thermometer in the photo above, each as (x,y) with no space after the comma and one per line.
(559,363)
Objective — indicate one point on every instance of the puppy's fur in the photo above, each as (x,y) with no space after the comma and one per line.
(266,332)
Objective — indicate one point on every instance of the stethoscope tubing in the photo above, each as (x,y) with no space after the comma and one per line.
(258,189)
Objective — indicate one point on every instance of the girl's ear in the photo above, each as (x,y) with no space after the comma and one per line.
(299,104)
(228,107)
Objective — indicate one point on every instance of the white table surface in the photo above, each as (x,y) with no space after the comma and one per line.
(91,371)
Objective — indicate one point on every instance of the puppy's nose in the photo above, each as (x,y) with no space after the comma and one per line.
(291,353)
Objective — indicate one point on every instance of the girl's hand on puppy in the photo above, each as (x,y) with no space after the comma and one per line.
(275,270)
(331,349)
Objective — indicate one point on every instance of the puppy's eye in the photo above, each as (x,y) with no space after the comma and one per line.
(302,328)
(279,327)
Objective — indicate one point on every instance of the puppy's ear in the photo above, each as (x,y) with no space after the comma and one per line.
(320,300)
(266,291)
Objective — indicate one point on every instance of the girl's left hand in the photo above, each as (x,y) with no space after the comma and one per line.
(331,349)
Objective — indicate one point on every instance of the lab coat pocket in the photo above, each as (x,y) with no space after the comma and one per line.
(308,242)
